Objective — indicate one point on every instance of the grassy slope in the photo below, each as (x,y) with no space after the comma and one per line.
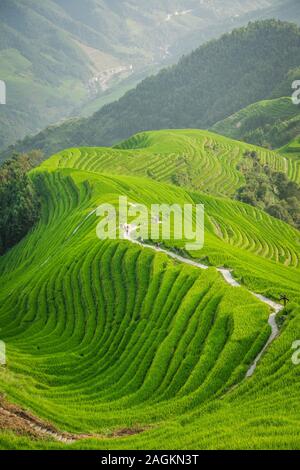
(44,72)
(96,332)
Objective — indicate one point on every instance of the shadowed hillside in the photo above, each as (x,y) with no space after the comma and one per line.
(271,123)
(213,82)
(59,56)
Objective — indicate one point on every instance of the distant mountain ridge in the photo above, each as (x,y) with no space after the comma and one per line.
(215,81)
(57,55)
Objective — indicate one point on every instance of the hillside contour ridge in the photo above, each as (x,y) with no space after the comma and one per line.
(226,273)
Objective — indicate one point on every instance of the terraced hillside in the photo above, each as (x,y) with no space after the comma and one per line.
(292,148)
(195,159)
(130,348)
(271,123)
(211,158)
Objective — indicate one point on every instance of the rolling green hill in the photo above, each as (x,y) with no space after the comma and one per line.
(215,81)
(271,123)
(111,340)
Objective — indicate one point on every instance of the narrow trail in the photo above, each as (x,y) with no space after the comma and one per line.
(226,273)
(84,220)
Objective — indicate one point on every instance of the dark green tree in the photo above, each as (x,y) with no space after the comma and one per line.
(19,200)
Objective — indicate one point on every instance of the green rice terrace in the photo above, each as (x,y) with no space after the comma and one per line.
(195,159)
(270,123)
(112,345)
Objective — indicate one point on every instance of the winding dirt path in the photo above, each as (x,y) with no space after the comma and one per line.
(14,418)
(19,421)
(227,275)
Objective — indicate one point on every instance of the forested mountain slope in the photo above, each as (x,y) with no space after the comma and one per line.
(213,82)
(269,123)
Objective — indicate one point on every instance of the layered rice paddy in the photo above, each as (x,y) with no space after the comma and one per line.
(195,159)
(130,347)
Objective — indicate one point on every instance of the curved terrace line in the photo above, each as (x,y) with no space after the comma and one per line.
(226,273)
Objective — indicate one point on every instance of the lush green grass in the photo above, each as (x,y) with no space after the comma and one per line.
(103,336)
(263,413)
(48,61)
